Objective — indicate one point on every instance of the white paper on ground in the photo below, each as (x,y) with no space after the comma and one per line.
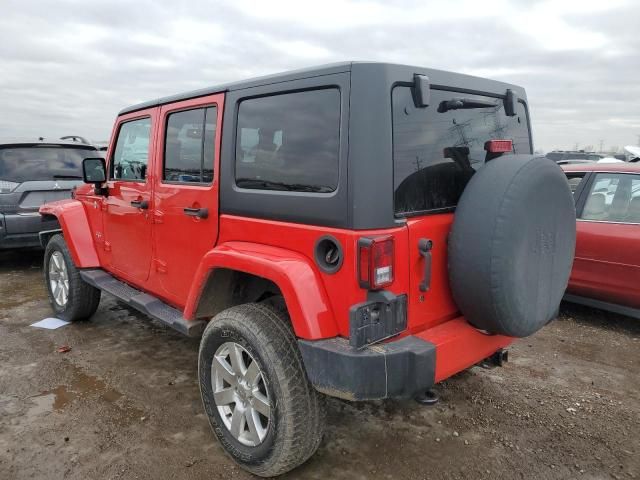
(50,323)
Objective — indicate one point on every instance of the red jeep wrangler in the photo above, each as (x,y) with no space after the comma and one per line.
(359,230)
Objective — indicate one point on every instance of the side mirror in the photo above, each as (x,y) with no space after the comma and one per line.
(94,170)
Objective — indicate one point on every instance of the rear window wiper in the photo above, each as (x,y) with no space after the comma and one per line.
(289,187)
(464,104)
(69,177)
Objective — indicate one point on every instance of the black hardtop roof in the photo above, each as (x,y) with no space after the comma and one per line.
(437,77)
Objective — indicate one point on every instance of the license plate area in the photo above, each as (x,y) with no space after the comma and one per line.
(383,315)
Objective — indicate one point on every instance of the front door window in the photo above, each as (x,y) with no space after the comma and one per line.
(131,155)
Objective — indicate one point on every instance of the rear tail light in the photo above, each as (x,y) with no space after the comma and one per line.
(375,262)
(498,146)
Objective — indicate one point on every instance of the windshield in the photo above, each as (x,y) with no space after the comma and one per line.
(23,164)
(437,149)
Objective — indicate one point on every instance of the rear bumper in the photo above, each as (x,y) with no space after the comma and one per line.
(400,368)
(22,230)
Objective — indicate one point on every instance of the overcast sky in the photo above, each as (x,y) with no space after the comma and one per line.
(67,67)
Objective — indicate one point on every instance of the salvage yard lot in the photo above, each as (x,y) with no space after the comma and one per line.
(124,403)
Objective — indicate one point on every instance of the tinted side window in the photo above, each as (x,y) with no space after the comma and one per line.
(614,197)
(437,149)
(131,154)
(289,142)
(189,146)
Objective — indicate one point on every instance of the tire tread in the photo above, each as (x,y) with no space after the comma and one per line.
(300,430)
(83,298)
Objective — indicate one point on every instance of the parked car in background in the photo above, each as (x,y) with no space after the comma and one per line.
(610,159)
(574,161)
(33,172)
(633,153)
(569,156)
(606,269)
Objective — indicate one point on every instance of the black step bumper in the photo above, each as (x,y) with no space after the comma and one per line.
(398,369)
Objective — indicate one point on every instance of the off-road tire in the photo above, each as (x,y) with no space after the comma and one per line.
(297,413)
(83,299)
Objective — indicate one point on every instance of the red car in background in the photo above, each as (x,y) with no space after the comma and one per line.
(606,269)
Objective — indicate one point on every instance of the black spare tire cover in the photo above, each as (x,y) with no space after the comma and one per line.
(512,245)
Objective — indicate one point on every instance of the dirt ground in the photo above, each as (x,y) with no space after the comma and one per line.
(124,403)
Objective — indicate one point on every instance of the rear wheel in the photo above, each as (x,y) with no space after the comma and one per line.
(70,296)
(260,404)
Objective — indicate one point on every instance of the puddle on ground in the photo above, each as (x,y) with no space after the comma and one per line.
(42,404)
(17,294)
(82,386)
(61,397)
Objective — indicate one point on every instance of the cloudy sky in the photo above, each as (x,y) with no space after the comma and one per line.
(68,67)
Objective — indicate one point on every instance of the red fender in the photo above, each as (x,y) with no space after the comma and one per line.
(303,291)
(75,228)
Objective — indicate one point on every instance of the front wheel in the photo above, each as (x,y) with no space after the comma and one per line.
(70,296)
(254,388)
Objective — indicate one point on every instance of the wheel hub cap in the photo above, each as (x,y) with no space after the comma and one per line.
(58,279)
(240,394)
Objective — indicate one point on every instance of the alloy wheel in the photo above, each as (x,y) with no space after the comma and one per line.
(58,279)
(240,394)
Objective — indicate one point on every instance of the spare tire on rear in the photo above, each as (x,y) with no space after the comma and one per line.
(512,245)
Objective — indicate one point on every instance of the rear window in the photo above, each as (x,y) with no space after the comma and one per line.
(23,164)
(435,153)
(289,142)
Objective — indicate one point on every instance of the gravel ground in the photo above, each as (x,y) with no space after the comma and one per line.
(124,403)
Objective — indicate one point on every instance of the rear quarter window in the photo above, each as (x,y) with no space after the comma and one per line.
(435,153)
(289,142)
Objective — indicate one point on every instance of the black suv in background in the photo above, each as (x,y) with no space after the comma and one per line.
(33,172)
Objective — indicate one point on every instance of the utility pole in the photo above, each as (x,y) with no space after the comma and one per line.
(601,145)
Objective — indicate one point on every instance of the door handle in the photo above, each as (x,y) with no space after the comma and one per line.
(196,212)
(142,204)
(424,247)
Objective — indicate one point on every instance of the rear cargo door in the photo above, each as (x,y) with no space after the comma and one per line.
(437,149)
